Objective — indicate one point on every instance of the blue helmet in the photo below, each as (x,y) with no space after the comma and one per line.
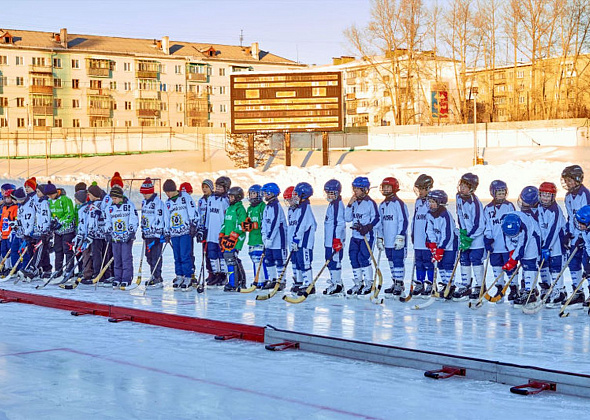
(496,186)
(361,182)
(529,198)
(7,187)
(583,216)
(271,188)
(471,180)
(255,194)
(303,190)
(333,185)
(439,196)
(511,224)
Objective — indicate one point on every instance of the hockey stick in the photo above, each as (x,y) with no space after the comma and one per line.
(375,288)
(3,262)
(201,279)
(535,309)
(483,280)
(103,269)
(138,277)
(562,313)
(104,257)
(68,271)
(431,298)
(479,302)
(37,249)
(452,278)
(504,289)
(534,286)
(309,288)
(409,296)
(278,283)
(20,259)
(147,282)
(255,282)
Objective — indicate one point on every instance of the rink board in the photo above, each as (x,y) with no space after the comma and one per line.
(476,369)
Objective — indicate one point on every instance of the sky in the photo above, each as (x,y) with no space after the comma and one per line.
(310,31)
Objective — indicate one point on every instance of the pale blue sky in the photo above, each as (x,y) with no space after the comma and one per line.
(311,30)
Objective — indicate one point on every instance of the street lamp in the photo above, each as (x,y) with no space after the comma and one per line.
(474,91)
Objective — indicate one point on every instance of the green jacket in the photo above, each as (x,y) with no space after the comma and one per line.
(255,214)
(63,210)
(234,216)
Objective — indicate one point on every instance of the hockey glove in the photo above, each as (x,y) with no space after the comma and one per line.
(400,242)
(295,245)
(579,243)
(267,243)
(380,244)
(131,236)
(438,255)
(566,243)
(488,242)
(464,240)
(248,225)
(546,255)
(364,229)
(192,230)
(431,246)
(336,244)
(201,234)
(231,241)
(108,237)
(510,265)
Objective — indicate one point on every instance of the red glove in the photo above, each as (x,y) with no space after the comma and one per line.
(510,265)
(431,246)
(231,241)
(222,241)
(438,255)
(336,244)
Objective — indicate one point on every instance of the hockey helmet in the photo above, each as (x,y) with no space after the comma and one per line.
(333,185)
(361,182)
(255,194)
(424,182)
(288,194)
(304,190)
(471,180)
(439,196)
(270,190)
(497,185)
(392,182)
(529,198)
(511,224)
(583,217)
(224,182)
(574,172)
(237,193)
(547,192)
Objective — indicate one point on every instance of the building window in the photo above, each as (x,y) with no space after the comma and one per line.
(57,103)
(180,107)
(179,124)
(222,72)
(57,83)
(127,66)
(38,61)
(223,125)
(210,124)
(3,61)
(3,81)
(163,87)
(113,85)
(3,102)
(75,122)
(3,122)
(75,64)
(178,88)
(222,90)
(222,108)
(20,122)
(520,74)
(128,105)
(178,69)
(20,81)
(128,124)
(208,71)
(20,102)
(96,84)
(75,84)
(20,61)
(58,123)
(57,63)
(75,103)
(127,86)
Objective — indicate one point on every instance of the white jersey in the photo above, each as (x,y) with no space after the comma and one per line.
(440,229)
(202,211)
(527,243)
(493,214)
(552,225)
(216,207)
(155,219)
(274,225)
(334,223)
(293,213)
(42,217)
(394,220)
(574,202)
(362,212)
(25,218)
(306,226)
(83,215)
(470,216)
(122,221)
(183,214)
(419,223)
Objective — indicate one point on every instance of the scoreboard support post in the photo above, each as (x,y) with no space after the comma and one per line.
(325,149)
(287,149)
(251,162)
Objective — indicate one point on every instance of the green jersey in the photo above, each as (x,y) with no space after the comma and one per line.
(63,210)
(234,216)
(255,214)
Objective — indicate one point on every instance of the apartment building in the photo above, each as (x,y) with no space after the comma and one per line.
(73,80)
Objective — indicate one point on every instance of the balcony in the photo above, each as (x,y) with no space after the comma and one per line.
(146,74)
(148,113)
(99,72)
(196,77)
(194,113)
(42,110)
(40,69)
(98,92)
(99,112)
(351,111)
(47,90)
(351,81)
(350,96)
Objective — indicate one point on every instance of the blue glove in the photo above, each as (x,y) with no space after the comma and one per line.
(546,255)
(488,244)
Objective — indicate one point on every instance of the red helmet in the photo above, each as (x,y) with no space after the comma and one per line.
(288,194)
(7,193)
(391,181)
(548,187)
(186,187)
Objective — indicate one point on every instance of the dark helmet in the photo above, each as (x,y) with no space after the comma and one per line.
(511,224)
(574,172)
(237,193)
(255,194)
(333,185)
(391,181)
(223,181)
(529,198)
(361,182)
(439,196)
(471,180)
(496,186)
(424,181)
(303,190)
(583,216)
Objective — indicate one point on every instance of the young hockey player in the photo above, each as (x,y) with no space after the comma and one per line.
(216,207)
(525,241)
(440,238)
(96,228)
(274,234)
(122,224)
(23,227)
(41,266)
(187,189)
(582,223)
(64,218)
(293,213)
(304,236)
(494,240)
(552,226)
(392,232)
(334,235)
(155,227)
(82,241)
(183,220)
(577,196)
(422,257)
(232,240)
(207,189)
(8,215)
(252,225)
(470,217)
(363,213)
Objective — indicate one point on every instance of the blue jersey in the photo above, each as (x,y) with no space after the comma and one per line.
(306,226)
(394,220)
(440,229)
(493,214)
(183,214)
(122,221)
(334,223)
(155,219)
(216,207)
(527,243)
(421,211)
(274,225)
(362,212)
(470,216)
(573,202)
(552,227)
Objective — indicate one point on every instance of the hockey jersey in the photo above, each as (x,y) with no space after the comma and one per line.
(25,218)
(202,211)
(83,215)
(394,219)
(527,243)
(421,210)
(216,207)
(573,202)
(42,217)
(9,213)
(306,226)
(293,213)
(183,214)
(274,225)
(234,216)
(362,212)
(122,221)
(63,210)
(334,223)
(493,214)
(470,216)
(155,219)
(440,229)
(255,214)
(552,226)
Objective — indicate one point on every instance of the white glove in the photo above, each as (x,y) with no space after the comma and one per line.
(267,243)
(400,242)
(295,245)
(380,244)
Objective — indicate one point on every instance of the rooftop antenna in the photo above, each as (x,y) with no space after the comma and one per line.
(241,36)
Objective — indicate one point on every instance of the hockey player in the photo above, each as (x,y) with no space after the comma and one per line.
(304,236)
(293,214)
(422,257)
(470,217)
(334,235)
(187,189)
(252,225)
(232,240)
(552,226)
(392,232)
(582,222)
(155,228)
(494,240)
(577,196)
(82,240)
(95,229)
(41,266)
(207,189)
(23,227)
(8,215)
(216,207)
(440,237)
(274,234)
(183,221)
(362,211)
(64,218)
(525,240)
(122,224)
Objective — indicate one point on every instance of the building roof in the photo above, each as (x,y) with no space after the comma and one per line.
(140,47)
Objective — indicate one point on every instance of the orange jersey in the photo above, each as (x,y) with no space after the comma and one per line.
(8,215)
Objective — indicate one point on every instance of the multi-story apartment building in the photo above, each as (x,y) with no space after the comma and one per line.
(71,80)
